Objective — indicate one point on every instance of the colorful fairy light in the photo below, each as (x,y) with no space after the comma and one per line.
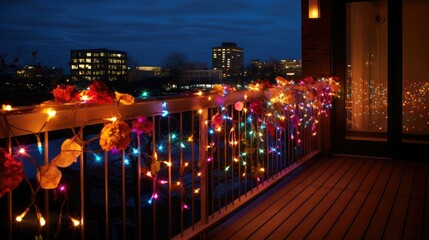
(62,188)
(298,106)
(22,150)
(163,181)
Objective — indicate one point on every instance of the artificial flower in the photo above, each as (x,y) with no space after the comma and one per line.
(124,98)
(115,135)
(334,85)
(217,121)
(281,123)
(309,80)
(266,84)
(271,129)
(309,95)
(49,176)
(155,166)
(283,81)
(142,125)
(70,151)
(254,86)
(316,104)
(219,89)
(11,172)
(257,107)
(65,93)
(239,106)
(100,93)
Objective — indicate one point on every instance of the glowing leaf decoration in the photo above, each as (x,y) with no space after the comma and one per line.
(70,151)
(49,176)
(155,167)
(124,98)
(249,150)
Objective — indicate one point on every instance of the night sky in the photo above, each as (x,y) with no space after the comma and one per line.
(149,30)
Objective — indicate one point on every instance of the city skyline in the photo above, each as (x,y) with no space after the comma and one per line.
(148,32)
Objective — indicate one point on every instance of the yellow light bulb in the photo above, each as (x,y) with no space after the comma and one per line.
(75,222)
(52,113)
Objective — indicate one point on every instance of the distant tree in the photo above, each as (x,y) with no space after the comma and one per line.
(7,64)
(176,62)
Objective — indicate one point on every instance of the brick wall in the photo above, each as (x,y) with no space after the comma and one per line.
(317,55)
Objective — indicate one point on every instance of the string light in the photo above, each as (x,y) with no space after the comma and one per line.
(22,151)
(52,113)
(308,116)
(75,222)
(112,119)
(42,220)
(6,108)
(22,215)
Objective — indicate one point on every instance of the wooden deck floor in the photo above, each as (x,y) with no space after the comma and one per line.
(339,198)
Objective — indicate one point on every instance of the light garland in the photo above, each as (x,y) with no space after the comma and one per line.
(295,106)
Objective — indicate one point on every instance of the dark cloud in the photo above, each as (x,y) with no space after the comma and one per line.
(149,30)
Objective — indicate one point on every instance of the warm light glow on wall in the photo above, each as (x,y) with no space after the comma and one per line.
(313,9)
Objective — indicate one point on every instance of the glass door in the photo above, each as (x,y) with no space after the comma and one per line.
(366,79)
(381,59)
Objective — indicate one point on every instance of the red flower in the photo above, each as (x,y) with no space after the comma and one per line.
(309,80)
(115,135)
(281,123)
(142,125)
(271,129)
(266,84)
(257,107)
(11,172)
(100,93)
(65,93)
(217,121)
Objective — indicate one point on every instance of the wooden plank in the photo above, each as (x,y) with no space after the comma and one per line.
(301,231)
(370,167)
(300,214)
(289,208)
(352,210)
(414,222)
(395,225)
(333,203)
(294,186)
(379,201)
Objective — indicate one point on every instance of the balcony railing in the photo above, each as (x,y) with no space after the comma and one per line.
(187,163)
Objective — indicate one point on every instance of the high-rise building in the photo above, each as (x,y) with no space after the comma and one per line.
(98,64)
(229,59)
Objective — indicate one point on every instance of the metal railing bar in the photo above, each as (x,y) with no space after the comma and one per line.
(170,161)
(124,200)
(106,194)
(9,194)
(138,205)
(46,160)
(82,190)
